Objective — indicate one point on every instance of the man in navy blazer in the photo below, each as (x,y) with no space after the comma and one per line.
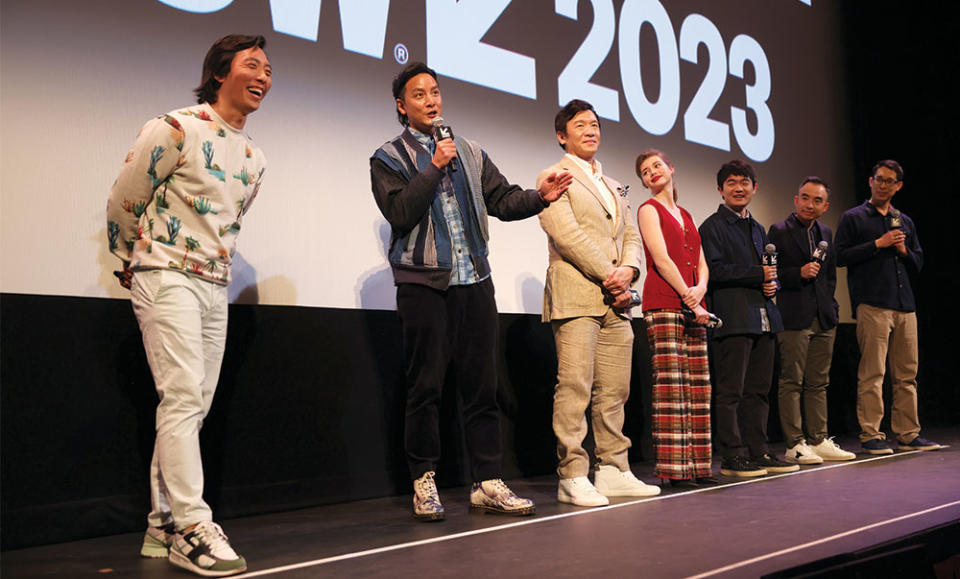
(740,292)
(808,279)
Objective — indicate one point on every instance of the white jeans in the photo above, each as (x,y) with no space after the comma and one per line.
(183,320)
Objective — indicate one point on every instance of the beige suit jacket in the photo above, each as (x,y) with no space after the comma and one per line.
(586,242)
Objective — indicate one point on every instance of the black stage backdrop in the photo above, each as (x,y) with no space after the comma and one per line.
(309,408)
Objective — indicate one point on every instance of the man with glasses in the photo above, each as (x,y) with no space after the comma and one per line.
(879,246)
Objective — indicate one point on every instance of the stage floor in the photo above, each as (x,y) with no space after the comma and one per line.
(743,528)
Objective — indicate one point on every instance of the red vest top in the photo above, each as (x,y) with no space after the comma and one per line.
(683,247)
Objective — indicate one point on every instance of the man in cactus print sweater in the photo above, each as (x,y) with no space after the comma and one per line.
(173,217)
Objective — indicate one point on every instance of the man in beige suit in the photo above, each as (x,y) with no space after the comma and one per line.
(594,258)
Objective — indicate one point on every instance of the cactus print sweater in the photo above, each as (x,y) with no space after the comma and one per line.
(181,194)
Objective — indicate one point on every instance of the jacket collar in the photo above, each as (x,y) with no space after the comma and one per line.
(581,177)
(730,216)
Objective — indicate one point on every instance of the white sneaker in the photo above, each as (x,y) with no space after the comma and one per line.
(802,454)
(205,550)
(829,450)
(578,491)
(612,482)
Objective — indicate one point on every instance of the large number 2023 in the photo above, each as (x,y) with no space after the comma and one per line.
(659,117)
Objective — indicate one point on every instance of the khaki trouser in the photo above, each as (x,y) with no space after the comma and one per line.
(805,357)
(594,356)
(881,332)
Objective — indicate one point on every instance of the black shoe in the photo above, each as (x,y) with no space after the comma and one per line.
(740,466)
(919,443)
(682,483)
(773,464)
(706,481)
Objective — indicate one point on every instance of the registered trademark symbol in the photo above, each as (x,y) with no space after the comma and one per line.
(400,53)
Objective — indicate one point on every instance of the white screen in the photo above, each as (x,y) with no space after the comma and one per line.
(704,81)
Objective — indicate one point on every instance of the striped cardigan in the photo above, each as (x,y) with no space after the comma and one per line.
(405,184)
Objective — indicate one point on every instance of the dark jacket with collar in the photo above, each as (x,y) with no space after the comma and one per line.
(801,300)
(735,291)
(877,277)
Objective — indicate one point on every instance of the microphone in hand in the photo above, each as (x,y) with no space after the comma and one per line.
(714,322)
(894,220)
(820,253)
(442,132)
(770,257)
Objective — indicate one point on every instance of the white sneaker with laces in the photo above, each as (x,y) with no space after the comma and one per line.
(830,450)
(800,453)
(612,482)
(579,491)
(205,550)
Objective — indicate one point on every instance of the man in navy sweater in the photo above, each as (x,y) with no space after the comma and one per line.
(879,246)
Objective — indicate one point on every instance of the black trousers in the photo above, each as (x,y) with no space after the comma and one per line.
(454,328)
(743,376)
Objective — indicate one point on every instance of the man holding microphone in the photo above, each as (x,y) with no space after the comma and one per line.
(436,191)
(743,282)
(879,245)
(808,278)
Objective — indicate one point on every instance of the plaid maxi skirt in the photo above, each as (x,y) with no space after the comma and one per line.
(681,395)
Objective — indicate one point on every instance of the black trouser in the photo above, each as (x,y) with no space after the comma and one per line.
(458,328)
(743,376)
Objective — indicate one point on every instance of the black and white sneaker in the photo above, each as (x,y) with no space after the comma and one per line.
(801,453)
(774,465)
(205,550)
(741,466)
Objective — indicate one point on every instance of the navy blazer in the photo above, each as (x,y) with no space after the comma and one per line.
(800,300)
(735,291)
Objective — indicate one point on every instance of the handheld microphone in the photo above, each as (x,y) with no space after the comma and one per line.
(820,253)
(893,219)
(442,132)
(635,298)
(770,257)
(715,322)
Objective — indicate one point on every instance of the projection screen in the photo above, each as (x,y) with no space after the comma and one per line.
(706,81)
